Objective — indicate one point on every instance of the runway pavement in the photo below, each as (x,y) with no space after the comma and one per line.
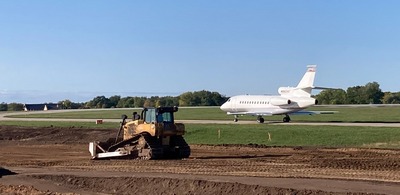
(8,117)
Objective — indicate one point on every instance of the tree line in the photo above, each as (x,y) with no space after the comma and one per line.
(11,107)
(196,98)
(367,94)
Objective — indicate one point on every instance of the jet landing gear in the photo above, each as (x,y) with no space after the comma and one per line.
(260,119)
(286,119)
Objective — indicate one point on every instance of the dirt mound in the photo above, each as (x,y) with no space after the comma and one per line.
(132,185)
(56,135)
(23,189)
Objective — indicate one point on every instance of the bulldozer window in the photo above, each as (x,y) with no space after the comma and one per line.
(150,116)
(165,117)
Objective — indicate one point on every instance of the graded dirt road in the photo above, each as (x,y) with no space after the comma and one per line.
(53,160)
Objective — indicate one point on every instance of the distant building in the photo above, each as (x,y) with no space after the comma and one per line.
(33,107)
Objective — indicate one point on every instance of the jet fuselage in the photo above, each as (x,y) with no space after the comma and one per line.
(266,105)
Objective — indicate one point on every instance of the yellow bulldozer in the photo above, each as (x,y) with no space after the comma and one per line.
(153,135)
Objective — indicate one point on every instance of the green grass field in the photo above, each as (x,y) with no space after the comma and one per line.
(326,136)
(345,114)
(280,135)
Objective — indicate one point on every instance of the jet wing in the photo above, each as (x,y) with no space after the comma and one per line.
(270,113)
(312,112)
(251,113)
(323,88)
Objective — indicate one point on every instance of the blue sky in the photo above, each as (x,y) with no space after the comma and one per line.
(56,50)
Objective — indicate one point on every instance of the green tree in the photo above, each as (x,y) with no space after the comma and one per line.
(139,101)
(113,101)
(373,93)
(75,105)
(168,101)
(332,96)
(130,102)
(391,98)
(126,102)
(3,106)
(368,94)
(201,98)
(356,95)
(186,99)
(99,102)
(15,107)
(217,99)
(153,100)
(148,103)
(66,104)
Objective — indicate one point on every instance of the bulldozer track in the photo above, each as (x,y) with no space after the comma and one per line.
(122,143)
(184,148)
(154,148)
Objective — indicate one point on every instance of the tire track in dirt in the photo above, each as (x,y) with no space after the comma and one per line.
(64,150)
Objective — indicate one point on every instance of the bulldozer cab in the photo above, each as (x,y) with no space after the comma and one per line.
(158,115)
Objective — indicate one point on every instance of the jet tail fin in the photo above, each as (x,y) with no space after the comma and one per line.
(305,85)
(308,79)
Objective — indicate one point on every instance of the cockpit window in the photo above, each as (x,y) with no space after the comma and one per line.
(229,100)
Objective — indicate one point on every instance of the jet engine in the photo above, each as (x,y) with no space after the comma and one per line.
(278,101)
(305,102)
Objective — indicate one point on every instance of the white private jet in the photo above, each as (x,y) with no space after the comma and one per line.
(292,100)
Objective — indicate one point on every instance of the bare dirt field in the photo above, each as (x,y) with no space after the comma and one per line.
(53,160)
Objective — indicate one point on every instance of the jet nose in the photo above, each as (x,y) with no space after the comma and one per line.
(224,107)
